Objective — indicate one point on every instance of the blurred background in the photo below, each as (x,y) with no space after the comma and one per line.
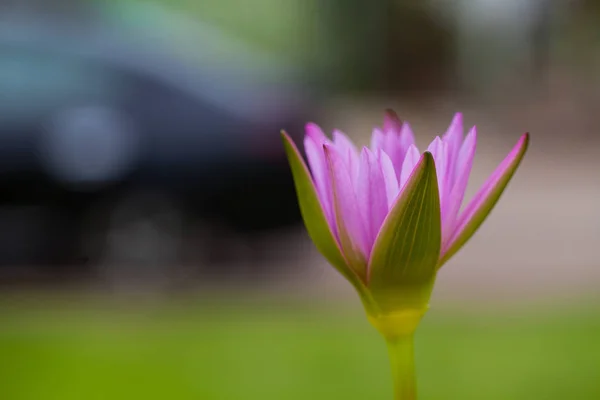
(150,241)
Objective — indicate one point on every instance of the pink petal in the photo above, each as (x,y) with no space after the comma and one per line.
(464,157)
(439,151)
(371,195)
(377,140)
(464,163)
(389,175)
(487,188)
(410,161)
(393,149)
(350,227)
(407,137)
(391,122)
(312,213)
(313,145)
(454,137)
(348,151)
(454,133)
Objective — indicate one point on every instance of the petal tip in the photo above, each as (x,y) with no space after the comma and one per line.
(328,148)
(457,119)
(314,130)
(391,121)
(413,147)
(522,145)
(391,114)
(472,134)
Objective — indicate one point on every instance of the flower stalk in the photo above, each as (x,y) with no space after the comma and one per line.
(402,360)
(398,330)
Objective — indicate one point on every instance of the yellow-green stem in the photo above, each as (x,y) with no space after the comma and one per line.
(398,329)
(402,359)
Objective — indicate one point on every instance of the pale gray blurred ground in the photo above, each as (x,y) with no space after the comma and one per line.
(541,242)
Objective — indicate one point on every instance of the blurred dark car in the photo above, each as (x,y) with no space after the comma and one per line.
(111,140)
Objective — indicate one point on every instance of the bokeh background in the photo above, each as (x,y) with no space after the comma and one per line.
(150,242)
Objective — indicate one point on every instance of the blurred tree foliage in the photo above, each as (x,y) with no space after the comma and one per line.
(344,44)
(287,30)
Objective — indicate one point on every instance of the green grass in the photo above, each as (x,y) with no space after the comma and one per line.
(262,351)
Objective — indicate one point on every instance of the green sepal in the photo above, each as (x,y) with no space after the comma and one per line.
(402,267)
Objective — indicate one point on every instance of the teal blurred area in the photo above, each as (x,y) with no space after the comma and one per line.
(271,349)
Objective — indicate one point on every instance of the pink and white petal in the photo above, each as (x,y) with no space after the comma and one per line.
(466,152)
(454,133)
(348,151)
(313,146)
(396,143)
(389,175)
(392,147)
(314,217)
(313,130)
(371,195)
(464,163)
(485,200)
(439,151)
(407,137)
(377,140)
(454,138)
(391,122)
(410,161)
(350,227)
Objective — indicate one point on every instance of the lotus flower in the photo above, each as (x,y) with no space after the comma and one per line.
(388,217)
